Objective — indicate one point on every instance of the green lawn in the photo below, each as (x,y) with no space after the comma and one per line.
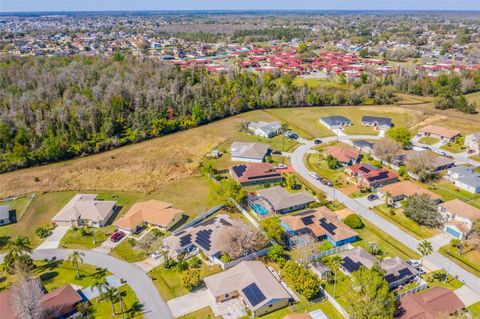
(402,221)
(306,306)
(474,310)
(448,191)
(129,253)
(204,313)
(390,246)
(75,240)
(469,260)
(102,308)
(168,281)
(317,164)
(450,283)
(454,147)
(428,140)
(343,284)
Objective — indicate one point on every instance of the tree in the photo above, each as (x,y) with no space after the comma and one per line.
(425,248)
(374,249)
(75,258)
(422,209)
(276,253)
(401,135)
(190,278)
(27,299)
(227,190)
(387,149)
(274,229)
(147,242)
(335,262)
(241,240)
(354,221)
(110,293)
(369,295)
(21,245)
(332,162)
(291,181)
(302,47)
(42,232)
(421,164)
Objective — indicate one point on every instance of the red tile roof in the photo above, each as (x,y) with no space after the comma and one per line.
(343,154)
(254,172)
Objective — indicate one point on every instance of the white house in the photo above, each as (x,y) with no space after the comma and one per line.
(265,129)
(5,215)
(469,183)
(459,217)
(249,152)
(472,141)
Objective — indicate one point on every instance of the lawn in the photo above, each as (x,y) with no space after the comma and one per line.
(469,260)
(317,164)
(428,140)
(454,148)
(450,282)
(204,313)
(129,253)
(475,158)
(75,240)
(448,191)
(306,306)
(19,205)
(102,308)
(168,281)
(474,310)
(390,246)
(42,209)
(410,226)
(343,284)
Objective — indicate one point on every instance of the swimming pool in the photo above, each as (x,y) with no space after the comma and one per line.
(259,209)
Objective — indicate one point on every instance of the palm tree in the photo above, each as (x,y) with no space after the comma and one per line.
(110,294)
(425,248)
(20,245)
(99,284)
(121,304)
(75,258)
(335,262)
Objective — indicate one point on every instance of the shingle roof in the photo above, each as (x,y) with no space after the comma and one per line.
(85,206)
(359,256)
(457,207)
(343,154)
(381,121)
(335,120)
(472,181)
(253,172)
(407,188)
(280,198)
(62,298)
(462,170)
(442,131)
(249,150)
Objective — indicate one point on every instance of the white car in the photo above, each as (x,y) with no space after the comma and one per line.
(414,263)
(280,166)
(156,255)
(314,175)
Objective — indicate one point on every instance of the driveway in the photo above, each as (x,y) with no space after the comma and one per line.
(467,295)
(107,246)
(149,263)
(369,203)
(53,241)
(191,302)
(440,240)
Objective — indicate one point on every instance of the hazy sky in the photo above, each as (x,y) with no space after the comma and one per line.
(94,5)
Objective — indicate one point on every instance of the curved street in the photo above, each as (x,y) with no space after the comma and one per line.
(298,164)
(153,305)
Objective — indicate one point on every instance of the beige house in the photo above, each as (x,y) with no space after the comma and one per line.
(151,212)
(258,288)
(85,209)
(393,194)
(459,217)
(472,141)
(442,133)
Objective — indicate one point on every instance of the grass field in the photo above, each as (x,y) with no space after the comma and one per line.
(454,148)
(428,140)
(130,254)
(469,260)
(75,240)
(102,308)
(402,221)
(204,313)
(474,310)
(450,283)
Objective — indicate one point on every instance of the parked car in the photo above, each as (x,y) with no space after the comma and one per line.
(280,166)
(314,175)
(317,141)
(372,197)
(414,263)
(470,151)
(156,255)
(117,236)
(291,135)
(426,148)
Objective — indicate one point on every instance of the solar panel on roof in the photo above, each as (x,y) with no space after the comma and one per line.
(208,222)
(253,294)
(186,240)
(308,220)
(239,170)
(327,225)
(350,265)
(365,169)
(203,239)
(224,222)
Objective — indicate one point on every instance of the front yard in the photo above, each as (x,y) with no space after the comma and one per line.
(88,238)
(453,147)
(428,140)
(470,260)
(441,279)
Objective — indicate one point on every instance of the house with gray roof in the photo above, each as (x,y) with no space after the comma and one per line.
(469,183)
(335,122)
(85,209)
(254,283)
(456,172)
(472,141)
(249,152)
(363,146)
(5,217)
(381,123)
(397,271)
(355,258)
(281,201)
(264,129)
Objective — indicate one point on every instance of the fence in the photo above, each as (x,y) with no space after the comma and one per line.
(422,285)
(334,303)
(200,218)
(235,262)
(246,214)
(325,253)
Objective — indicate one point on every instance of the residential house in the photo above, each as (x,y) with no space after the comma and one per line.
(85,209)
(345,155)
(459,217)
(442,133)
(335,122)
(321,224)
(369,176)
(249,152)
(441,163)
(281,201)
(355,258)
(472,141)
(379,123)
(320,269)
(255,173)
(5,215)
(396,192)
(397,271)
(265,129)
(151,212)
(470,183)
(456,172)
(430,304)
(59,303)
(253,282)
(363,146)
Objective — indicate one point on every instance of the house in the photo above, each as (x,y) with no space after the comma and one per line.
(255,173)
(363,146)
(151,212)
(281,201)
(456,172)
(265,129)
(6,216)
(441,163)
(59,303)
(442,133)
(396,192)
(253,282)
(85,209)
(397,272)
(249,152)
(472,141)
(429,304)
(335,122)
(321,224)
(320,269)
(380,123)
(345,155)
(370,176)
(469,183)
(459,217)
(355,258)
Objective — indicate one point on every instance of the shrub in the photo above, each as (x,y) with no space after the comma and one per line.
(132,242)
(225,258)
(157,233)
(354,221)
(85,231)
(194,262)
(303,280)
(277,254)
(42,232)
(191,278)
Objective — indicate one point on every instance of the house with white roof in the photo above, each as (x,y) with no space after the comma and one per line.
(472,141)
(5,215)
(264,129)
(249,152)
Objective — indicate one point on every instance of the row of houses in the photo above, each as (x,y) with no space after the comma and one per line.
(337,122)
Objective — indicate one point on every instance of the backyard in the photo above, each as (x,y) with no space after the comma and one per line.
(448,191)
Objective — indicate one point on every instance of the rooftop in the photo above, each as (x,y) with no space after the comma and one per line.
(249,150)
(254,171)
(335,120)
(439,130)
(457,207)
(380,121)
(357,257)
(343,154)
(407,188)
(280,198)
(85,206)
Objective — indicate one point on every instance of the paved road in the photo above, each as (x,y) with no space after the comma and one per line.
(459,158)
(298,164)
(154,306)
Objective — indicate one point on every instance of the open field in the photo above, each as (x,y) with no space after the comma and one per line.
(204,313)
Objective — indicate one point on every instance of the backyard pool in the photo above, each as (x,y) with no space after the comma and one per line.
(259,209)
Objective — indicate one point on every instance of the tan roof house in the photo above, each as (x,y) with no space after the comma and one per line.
(345,155)
(253,283)
(281,201)
(459,217)
(399,191)
(151,212)
(85,209)
(442,133)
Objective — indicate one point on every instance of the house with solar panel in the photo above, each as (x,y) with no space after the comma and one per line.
(320,224)
(254,283)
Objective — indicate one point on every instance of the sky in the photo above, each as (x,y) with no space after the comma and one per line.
(104,5)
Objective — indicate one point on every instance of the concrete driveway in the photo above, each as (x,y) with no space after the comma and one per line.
(53,241)
(107,246)
(194,301)
(467,295)
(369,203)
